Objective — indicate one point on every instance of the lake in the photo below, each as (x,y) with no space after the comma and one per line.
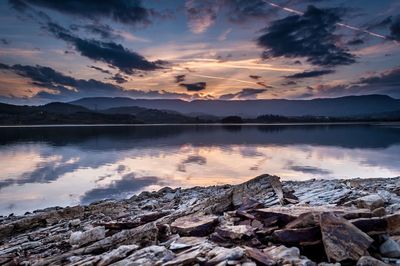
(59,166)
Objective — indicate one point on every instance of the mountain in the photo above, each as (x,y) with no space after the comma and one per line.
(58,113)
(335,107)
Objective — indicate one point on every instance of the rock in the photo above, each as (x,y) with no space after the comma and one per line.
(83,238)
(370,261)
(220,254)
(390,248)
(259,256)
(190,256)
(329,264)
(379,212)
(194,225)
(287,256)
(342,240)
(372,202)
(235,231)
(30,245)
(301,236)
(152,255)
(116,254)
(307,219)
(186,242)
(74,222)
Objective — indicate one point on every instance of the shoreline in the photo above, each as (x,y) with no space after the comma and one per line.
(253,222)
(374,123)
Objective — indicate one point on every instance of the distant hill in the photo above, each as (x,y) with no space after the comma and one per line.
(335,107)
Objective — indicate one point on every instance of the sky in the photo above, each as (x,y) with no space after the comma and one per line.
(198,49)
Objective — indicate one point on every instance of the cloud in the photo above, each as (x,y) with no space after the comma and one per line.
(395,28)
(180,78)
(63,87)
(129,183)
(309,170)
(240,11)
(128,12)
(198,86)
(355,42)
(102,30)
(310,74)
(4,41)
(201,14)
(119,78)
(105,71)
(247,93)
(254,76)
(192,159)
(108,52)
(386,82)
(310,35)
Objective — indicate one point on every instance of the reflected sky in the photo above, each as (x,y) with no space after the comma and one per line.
(43,167)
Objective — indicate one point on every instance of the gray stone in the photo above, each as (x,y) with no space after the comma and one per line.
(83,238)
(372,202)
(390,248)
(152,255)
(117,254)
(370,261)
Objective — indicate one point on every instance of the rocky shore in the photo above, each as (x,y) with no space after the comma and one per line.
(260,222)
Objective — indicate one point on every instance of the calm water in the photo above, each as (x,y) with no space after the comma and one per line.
(49,166)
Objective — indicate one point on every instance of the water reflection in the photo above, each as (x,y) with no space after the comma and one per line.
(43,167)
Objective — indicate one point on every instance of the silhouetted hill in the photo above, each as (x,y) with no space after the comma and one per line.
(343,106)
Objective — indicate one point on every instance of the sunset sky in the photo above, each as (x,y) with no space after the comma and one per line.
(198,49)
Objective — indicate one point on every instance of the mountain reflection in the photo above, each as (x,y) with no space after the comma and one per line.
(70,165)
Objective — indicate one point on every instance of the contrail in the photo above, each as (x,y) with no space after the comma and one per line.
(214,77)
(297,12)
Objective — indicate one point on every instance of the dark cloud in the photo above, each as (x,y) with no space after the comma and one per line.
(4,41)
(289,83)
(395,28)
(247,93)
(198,86)
(128,184)
(68,88)
(192,159)
(310,74)
(104,31)
(310,35)
(108,52)
(355,42)
(180,78)
(386,82)
(119,78)
(240,11)
(309,170)
(124,11)
(254,77)
(105,71)
(262,83)
(201,14)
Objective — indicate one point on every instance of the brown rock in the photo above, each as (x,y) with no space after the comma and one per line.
(304,220)
(194,225)
(342,240)
(302,236)
(259,256)
(235,231)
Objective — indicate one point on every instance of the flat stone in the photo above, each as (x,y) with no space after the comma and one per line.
(372,202)
(390,248)
(370,261)
(186,242)
(116,254)
(300,236)
(342,240)
(220,254)
(152,255)
(83,238)
(194,225)
(235,231)
(259,256)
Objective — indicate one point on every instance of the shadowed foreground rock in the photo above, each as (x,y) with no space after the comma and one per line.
(260,222)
